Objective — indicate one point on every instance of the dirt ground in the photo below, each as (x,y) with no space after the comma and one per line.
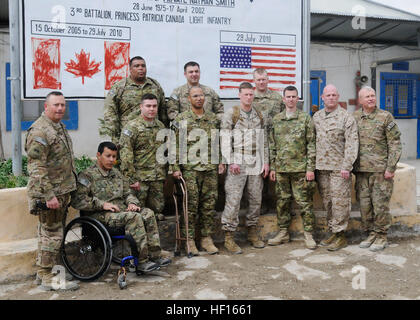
(286,272)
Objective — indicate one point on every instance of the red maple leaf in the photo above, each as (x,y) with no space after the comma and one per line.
(84,67)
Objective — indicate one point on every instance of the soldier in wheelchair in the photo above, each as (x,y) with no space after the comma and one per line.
(104,195)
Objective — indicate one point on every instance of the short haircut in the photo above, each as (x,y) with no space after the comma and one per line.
(136,58)
(53,93)
(148,96)
(107,144)
(194,87)
(260,71)
(290,88)
(366,88)
(245,85)
(191,64)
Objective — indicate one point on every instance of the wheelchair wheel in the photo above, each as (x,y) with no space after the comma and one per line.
(86,249)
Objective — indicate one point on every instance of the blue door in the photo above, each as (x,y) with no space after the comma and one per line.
(317,86)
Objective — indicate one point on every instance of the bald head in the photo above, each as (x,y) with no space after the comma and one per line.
(330,97)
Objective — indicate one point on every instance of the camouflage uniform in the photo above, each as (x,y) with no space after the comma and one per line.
(178,101)
(250,153)
(337,144)
(122,105)
(379,151)
(292,154)
(95,187)
(200,176)
(270,102)
(51,174)
(139,163)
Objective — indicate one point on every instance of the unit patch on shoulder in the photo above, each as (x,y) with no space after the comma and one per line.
(127,132)
(41,141)
(84,181)
(390,126)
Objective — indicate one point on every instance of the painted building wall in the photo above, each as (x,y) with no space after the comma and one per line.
(340,61)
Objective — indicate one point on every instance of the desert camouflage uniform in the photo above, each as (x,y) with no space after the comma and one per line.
(178,101)
(122,104)
(292,154)
(200,174)
(139,162)
(379,151)
(51,174)
(96,186)
(337,144)
(250,152)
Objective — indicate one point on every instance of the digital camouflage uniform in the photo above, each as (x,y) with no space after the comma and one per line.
(96,186)
(138,149)
(250,152)
(178,101)
(337,144)
(269,102)
(379,151)
(292,154)
(200,174)
(122,104)
(51,174)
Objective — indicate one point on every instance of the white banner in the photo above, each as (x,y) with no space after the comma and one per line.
(82,47)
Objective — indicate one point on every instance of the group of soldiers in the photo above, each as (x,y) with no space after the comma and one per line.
(266,137)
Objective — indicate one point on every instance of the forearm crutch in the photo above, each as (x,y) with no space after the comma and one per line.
(178,237)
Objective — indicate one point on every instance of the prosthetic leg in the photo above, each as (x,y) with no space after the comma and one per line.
(180,192)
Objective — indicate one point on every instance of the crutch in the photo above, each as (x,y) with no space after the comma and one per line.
(178,237)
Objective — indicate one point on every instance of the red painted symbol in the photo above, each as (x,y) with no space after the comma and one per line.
(83,67)
(46,63)
(117,59)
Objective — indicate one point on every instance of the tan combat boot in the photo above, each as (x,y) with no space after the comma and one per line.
(328,241)
(368,241)
(339,242)
(208,245)
(254,238)
(309,240)
(380,242)
(54,282)
(230,244)
(193,248)
(281,237)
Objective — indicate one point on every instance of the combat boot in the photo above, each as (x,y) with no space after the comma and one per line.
(339,242)
(50,283)
(230,244)
(193,248)
(309,240)
(44,271)
(380,243)
(254,238)
(207,244)
(368,241)
(328,241)
(281,237)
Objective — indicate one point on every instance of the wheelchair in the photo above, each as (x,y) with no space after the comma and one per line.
(88,248)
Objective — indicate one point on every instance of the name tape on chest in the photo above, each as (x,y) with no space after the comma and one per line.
(84,181)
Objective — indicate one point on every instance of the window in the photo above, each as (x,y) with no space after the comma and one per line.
(399,94)
(32,109)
